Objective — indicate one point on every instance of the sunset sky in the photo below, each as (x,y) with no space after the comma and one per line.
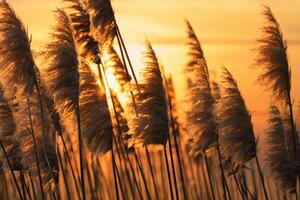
(227,30)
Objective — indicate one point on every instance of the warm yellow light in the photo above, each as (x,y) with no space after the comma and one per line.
(112,81)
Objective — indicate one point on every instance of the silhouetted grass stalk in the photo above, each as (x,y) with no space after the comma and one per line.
(209,176)
(168,171)
(11,171)
(261,178)
(151,171)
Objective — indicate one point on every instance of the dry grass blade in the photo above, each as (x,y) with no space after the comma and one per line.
(7,133)
(200,117)
(234,126)
(272,58)
(151,125)
(16,61)
(95,116)
(276,155)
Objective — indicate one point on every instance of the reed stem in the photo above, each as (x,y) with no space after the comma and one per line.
(209,177)
(261,178)
(11,171)
(115,176)
(151,171)
(168,171)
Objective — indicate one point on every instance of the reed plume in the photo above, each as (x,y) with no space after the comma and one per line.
(115,70)
(61,74)
(200,117)
(276,154)
(103,25)
(95,116)
(235,129)
(275,73)
(272,58)
(7,133)
(151,126)
(80,20)
(16,61)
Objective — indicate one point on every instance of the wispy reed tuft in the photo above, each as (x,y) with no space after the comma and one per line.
(80,20)
(16,60)
(200,116)
(151,126)
(276,154)
(103,26)
(61,73)
(272,58)
(96,122)
(235,129)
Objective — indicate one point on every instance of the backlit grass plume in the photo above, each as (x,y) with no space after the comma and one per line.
(114,69)
(33,131)
(103,26)
(272,58)
(16,61)
(7,134)
(95,116)
(276,155)
(151,126)
(275,73)
(235,129)
(61,73)
(200,117)
(80,20)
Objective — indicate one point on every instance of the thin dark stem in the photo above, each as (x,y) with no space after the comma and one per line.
(43,134)
(261,178)
(123,146)
(294,133)
(31,131)
(205,180)
(209,177)
(224,182)
(64,175)
(177,149)
(142,174)
(115,176)
(32,186)
(151,171)
(25,185)
(127,56)
(169,174)
(80,149)
(119,180)
(237,185)
(70,164)
(173,166)
(11,170)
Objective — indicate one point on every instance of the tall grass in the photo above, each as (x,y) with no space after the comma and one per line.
(58,125)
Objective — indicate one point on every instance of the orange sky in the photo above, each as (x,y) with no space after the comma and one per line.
(226,28)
